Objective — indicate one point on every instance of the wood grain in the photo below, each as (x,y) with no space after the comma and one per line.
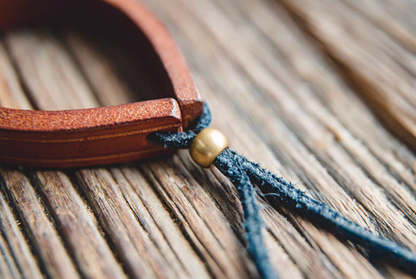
(15,249)
(378,64)
(283,98)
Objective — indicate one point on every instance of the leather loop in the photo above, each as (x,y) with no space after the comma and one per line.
(85,137)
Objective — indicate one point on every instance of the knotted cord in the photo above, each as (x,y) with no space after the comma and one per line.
(242,173)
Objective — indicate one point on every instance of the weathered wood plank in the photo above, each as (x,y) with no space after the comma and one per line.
(12,96)
(8,268)
(138,252)
(325,85)
(95,259)
(15,242)
(45,69)
(380,67)
(46,241)
(194,208)
(154,218)
(394,17)
(280,101)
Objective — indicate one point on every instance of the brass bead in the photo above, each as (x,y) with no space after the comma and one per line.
(207,145)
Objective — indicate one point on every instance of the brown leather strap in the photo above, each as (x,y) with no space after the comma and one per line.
(86,137)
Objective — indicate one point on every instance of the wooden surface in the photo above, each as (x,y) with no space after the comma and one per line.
(291,82)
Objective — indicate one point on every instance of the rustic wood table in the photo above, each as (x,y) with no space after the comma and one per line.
(321,92)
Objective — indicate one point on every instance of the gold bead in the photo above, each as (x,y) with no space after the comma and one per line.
(207,145)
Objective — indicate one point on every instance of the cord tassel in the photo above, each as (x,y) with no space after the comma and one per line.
(318,213)
(253,223)
(242,173)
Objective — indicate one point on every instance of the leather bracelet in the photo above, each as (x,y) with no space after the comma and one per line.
(105,135)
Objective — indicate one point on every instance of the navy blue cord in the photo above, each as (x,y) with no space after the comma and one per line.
(243,172)
(253,223)
(379,248)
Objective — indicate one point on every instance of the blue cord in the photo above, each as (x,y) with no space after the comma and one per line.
(253,222)
(242,173)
